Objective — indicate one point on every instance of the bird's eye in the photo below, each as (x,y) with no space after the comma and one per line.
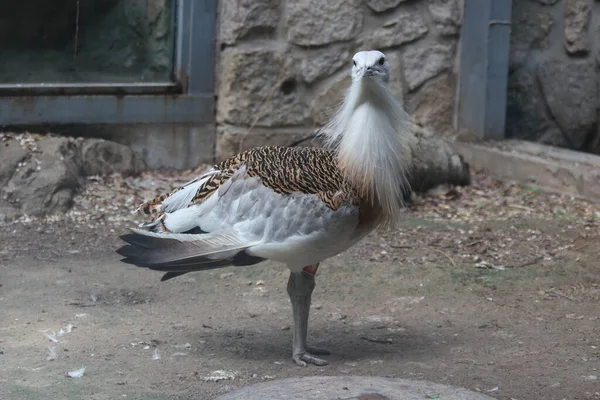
(354,63)
(381,61)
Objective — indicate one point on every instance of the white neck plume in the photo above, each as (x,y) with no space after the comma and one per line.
(372,135)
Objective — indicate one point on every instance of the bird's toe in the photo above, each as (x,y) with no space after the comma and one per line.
(306,358)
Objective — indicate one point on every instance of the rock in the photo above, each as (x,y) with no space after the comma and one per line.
(241,18)
(594,143)
(406,27)
(258,87)
(425,61)
(396,74)
(320,22)
(336,316)
(103,157)
(526,116)
(383,5)
(577,20)
(316,64)
(327,102)
(39,175)
(530,30)
(446,16)
(232,140)
(434,105)
(48,181)
(573,102)
(351,387)
(11,154)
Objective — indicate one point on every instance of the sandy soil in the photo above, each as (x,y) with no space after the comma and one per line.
(494,288)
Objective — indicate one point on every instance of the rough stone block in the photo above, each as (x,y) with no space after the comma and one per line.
(258,87)
(240,18)
(446,16)
(433,106)
(383,5)
(526,115)
(574,101)
(424,61)
(316,64)
(577,20)
(531,26)
(394,58)
(320,22)
(406,26)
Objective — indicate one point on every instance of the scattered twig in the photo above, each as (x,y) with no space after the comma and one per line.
(474,243)
(583,246)
(380,341)
(441,252)
(78,304)
(561,295)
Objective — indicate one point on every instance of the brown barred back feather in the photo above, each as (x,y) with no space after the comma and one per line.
(286,170)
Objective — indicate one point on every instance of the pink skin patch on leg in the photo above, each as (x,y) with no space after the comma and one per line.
(311,269)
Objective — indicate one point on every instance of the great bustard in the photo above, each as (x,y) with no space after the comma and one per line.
(295,205)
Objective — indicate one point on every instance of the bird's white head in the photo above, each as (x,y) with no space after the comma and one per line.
(373,136)
(371,64)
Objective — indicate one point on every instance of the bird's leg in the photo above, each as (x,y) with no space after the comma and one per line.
(300,287)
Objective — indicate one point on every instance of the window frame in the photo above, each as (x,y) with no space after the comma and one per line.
(189,99)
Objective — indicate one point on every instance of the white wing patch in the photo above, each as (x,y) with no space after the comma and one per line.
(183,197)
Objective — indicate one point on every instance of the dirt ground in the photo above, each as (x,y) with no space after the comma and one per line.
(494,288)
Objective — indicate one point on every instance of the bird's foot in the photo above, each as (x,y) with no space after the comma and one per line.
(308,357)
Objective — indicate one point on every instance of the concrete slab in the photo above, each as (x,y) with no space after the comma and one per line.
(351,387)
(532,164)
(161,146)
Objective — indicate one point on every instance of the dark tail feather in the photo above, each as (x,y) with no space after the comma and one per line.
(151,258)
(170,275)
(177,257)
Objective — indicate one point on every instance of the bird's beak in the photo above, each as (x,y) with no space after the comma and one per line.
(367,71)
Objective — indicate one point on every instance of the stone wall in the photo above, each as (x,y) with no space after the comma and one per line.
(284,64)
(553,81)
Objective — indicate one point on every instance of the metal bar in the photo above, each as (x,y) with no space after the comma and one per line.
(483,75)
(183,44)
(106,109)
(36,89)
(498,50)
